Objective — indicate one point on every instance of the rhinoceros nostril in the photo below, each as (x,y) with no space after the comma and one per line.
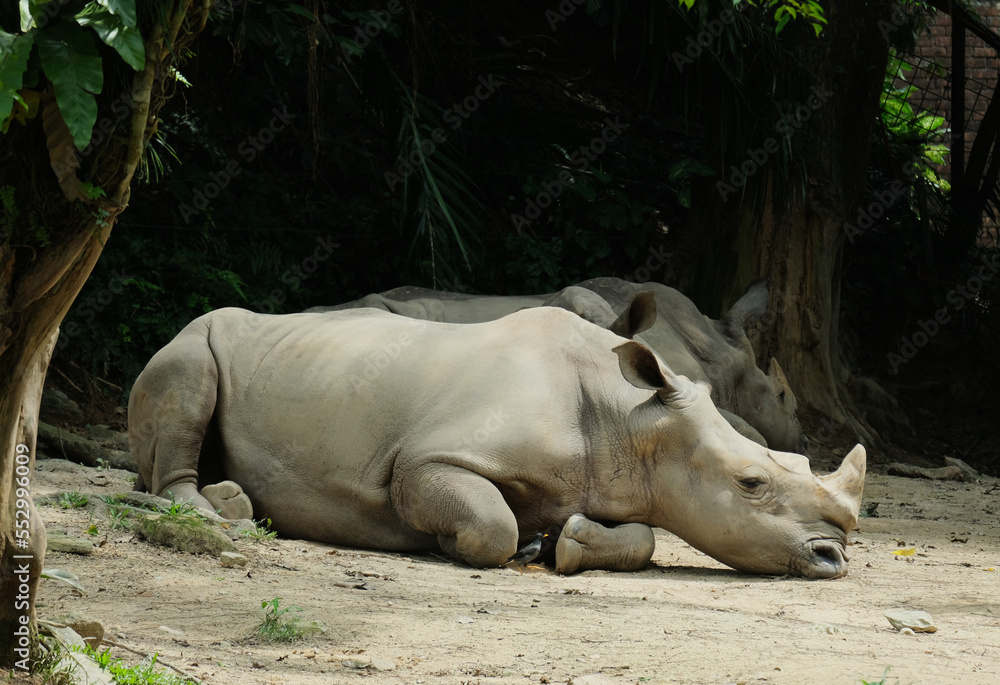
(829,559)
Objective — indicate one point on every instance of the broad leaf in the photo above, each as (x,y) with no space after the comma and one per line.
(69,58)
(65,576)
(111,29)
(14,53)
(125,9)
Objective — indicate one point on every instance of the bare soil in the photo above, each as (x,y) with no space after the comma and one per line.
(684,619)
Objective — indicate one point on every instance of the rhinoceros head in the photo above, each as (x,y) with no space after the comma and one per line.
(752,508)
(766,401)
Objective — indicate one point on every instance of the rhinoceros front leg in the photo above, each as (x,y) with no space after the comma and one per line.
(466,511)
(585,544)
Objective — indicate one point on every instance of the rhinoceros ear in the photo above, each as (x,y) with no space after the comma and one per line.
(639,315)
(641,368)
(775,371)
(750,307)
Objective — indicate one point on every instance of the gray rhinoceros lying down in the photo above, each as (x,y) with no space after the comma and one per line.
(691,344)
(368,429)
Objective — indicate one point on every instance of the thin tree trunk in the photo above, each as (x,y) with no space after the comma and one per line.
(797,246)
(37,288)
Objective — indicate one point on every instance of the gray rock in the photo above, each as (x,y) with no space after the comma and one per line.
(232,559)
(108,437)
(941,473)
(91,631)
(382,665)
(60,542)
(62,443)
(186,533)
(917,621)
(56,406)
(958,463)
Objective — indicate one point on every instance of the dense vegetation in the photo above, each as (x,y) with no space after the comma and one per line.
(327,150)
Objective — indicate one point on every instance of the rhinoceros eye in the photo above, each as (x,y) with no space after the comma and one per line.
(751,483)
(781,396)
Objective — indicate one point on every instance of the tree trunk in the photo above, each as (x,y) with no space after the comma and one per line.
(797,244)
(38,285)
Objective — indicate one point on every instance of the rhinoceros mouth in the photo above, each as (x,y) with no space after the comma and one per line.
(824,558)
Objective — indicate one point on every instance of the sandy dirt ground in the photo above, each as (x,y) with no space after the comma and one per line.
(424,619)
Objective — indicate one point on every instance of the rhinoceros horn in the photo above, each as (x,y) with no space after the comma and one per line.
(845,487)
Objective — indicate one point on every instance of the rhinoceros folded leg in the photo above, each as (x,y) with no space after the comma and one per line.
(585,544)
(170,409)
(229,500)
(466,511)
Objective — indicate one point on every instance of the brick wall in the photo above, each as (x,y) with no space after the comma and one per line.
(932,76)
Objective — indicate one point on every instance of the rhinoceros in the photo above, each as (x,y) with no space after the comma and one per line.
(369,429)
(761,406)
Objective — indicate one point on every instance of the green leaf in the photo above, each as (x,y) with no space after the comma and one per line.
(64,576)
(111,29)
(15,51)
(69,59)
(300,10)
(27,20)
(125,9)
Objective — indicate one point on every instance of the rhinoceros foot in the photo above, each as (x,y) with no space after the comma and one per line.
(228,499)
(585,544)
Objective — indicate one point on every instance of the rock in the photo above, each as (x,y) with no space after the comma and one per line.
(170,631)
(941,473)
(87,452)
(356,664)
(90,630)
(57,541)
(108,437)
(958,463)
(186,533)
(917,621)
(382,665)
(232,559)
(824,628)
(57,406)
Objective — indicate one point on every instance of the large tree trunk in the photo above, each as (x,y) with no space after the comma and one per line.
(38,285)
(797,243)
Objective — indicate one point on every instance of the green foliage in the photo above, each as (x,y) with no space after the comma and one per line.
(278,625)
(11,214)
(784,12)
(73,500)
(881,681)
(261,531)
(67,55)
(907,125)
(145,673)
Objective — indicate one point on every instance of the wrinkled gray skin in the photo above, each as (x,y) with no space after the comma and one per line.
(760,406)
(367,429)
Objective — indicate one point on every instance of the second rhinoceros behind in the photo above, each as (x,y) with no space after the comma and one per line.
(369,429)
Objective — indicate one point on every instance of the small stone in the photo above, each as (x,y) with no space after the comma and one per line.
(917,621)
(382,665)
(824,628)
(90,630)
(356,664)
(56,542)
(170,631)
(907,631)
(970,472)
(942,473)
(232,559)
